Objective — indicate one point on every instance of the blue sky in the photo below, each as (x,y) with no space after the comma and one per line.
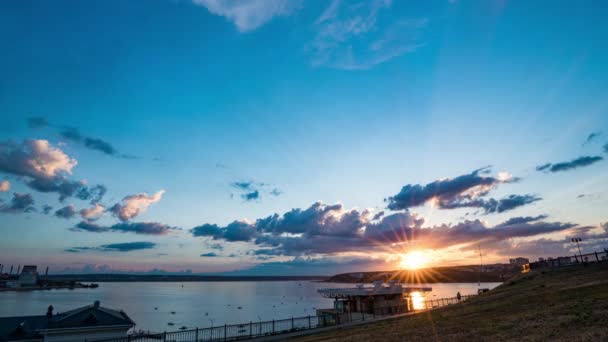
(303,102)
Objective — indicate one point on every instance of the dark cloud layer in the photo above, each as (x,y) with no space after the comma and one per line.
(74,135)
(449,190)
(326,229)
(67,212)
(115,247)
(20,203)
(46,209)
(209,255)
(100,145)
(522,220)
(149,228)
(569,165)
(491,205)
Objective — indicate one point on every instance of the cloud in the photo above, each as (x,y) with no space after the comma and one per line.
(5,186)
(91,143)
(252,191)
(330,229)
(66,212)
(354,35)
(148,228)
(36,159)
(74,135)
(235,231)
(46,209)
(606,148)
(592,137)
(243,185)
(45,169)
(134,205)
(115,247)
(248,15)
(449,190)
(20,203)
(210,255)
(522,220)
(92,213)
(569,165)
(251,196)
(490,205)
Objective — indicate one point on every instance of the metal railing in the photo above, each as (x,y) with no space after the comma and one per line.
(435,303)
(231,332)
(595,257)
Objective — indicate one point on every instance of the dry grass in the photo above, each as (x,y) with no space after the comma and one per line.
(569,304)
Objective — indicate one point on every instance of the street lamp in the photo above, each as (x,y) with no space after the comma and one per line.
(577,240)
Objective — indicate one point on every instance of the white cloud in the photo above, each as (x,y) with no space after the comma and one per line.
(36,159)
(5,186)
(93,212)
(134,205)
(350,35)
(247,15)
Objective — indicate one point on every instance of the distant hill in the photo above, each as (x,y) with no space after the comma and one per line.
(172,278)
(448,274)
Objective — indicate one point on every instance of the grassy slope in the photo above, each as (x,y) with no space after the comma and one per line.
(569,304)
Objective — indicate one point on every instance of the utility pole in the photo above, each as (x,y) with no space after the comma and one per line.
(480,266)
(577,240)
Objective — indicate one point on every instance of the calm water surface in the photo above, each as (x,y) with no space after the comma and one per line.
(197,304)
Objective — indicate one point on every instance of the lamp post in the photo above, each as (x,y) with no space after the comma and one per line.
(577,240)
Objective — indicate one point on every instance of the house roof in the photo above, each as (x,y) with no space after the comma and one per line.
(90,316)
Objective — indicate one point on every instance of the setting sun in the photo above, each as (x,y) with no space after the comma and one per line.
(413,260)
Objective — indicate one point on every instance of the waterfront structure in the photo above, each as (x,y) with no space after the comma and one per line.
(28,276)
(89,322)
(376,300)
(519,261)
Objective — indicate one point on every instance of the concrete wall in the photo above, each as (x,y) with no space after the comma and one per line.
(80,336)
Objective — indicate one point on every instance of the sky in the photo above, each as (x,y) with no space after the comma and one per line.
(300,137)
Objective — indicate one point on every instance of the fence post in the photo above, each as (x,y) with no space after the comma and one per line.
(309,322)
(291,322)
(273,326)
(596,257)
(128,338)
(250,328)
(164,336)
(196,335)
(225,331)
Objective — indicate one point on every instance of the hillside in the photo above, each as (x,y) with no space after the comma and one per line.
(449,274)
(570,304)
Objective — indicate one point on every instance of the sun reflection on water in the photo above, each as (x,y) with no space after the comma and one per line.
(417,301)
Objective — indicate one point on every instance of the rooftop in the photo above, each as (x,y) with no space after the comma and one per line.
(90,316)
(377,289)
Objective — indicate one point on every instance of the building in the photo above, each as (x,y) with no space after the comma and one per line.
(377,300)
(28,276)
(89,322)
(519,262)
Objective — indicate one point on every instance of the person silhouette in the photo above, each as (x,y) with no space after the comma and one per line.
(458,296)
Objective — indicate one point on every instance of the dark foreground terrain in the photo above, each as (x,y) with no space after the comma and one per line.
(569,304)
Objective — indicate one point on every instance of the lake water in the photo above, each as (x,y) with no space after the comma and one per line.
(198,304)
